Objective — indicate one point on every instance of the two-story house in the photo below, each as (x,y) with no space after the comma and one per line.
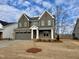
(40,27)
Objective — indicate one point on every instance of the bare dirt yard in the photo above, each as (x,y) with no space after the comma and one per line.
(16,49)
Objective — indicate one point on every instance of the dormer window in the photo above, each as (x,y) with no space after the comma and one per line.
(49,22)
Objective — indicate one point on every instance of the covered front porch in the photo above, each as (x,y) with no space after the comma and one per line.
(37,33)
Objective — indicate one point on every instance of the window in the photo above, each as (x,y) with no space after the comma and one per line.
(46,34)
(53,22)
(49,22)
(34,23)
(25,24)
(42,23)
(20,25)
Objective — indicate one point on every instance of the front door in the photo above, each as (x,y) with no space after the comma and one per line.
(34,34)
(45,34)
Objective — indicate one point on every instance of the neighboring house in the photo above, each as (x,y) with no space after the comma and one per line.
(2,24)
(1,31)
(42,27)
(76,30)
(8,30)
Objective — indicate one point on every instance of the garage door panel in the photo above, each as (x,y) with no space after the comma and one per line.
(23,35)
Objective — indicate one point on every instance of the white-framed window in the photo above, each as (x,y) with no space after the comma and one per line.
(25,24)
(34,23)
(53,23)
(20,25)
(42,23)
(49,22)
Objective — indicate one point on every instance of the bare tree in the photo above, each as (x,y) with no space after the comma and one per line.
(61,21)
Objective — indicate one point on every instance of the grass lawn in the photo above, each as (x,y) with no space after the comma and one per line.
(16,49)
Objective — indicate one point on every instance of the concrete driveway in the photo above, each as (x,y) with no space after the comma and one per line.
(16,49)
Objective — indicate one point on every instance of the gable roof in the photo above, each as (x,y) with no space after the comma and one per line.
(35,18)
(26,16)
(4,23)
(29,18)
(46,12)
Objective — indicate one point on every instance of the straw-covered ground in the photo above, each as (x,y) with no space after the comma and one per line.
(16,49)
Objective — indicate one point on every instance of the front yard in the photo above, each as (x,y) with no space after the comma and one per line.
(16,49)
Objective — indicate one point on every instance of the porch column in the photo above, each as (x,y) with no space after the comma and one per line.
(37,34)
(31,33)
(52,34)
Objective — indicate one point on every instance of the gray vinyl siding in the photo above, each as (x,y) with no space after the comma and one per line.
(45,17)
(22,20)
(34,23)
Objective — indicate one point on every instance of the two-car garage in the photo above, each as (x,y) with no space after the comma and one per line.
(23,35)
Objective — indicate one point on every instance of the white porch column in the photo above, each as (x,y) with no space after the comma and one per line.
(31,33)
(37,34)
(52,34)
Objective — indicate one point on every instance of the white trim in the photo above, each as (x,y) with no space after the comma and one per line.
(43,14)
(52,34)
(1,26)
(33,27)
(37,34)
(49,23)
(22,15)
(26,16)
(31,34)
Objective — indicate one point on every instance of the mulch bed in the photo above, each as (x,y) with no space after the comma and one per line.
(34,50)
(40,40)
(59,41)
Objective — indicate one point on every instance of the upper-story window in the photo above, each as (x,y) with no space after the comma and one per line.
(20,25)
(34,23)
(49,22)
(25,24)
(42,23)
(53,23)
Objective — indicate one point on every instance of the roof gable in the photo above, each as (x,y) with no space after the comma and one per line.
(37,17)
(4,23)
(46,13)
(23,15)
